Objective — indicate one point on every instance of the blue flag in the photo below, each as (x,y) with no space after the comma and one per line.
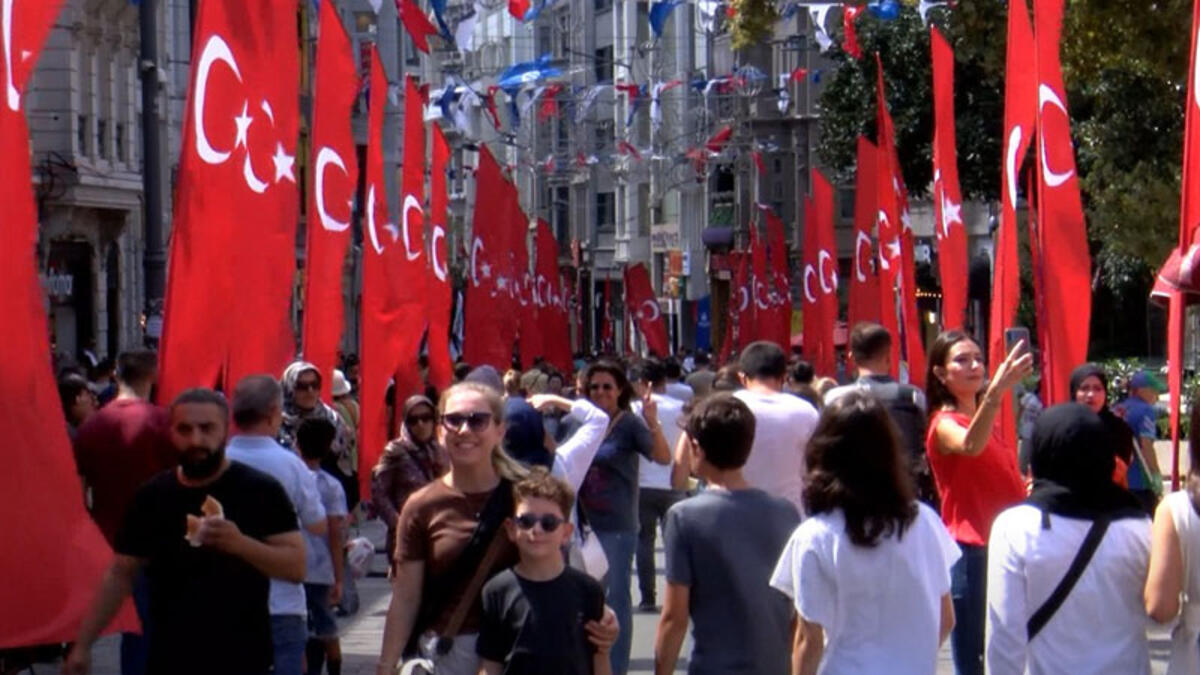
(704,323)
(659,13)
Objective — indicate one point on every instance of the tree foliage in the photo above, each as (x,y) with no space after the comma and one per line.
(1125,67)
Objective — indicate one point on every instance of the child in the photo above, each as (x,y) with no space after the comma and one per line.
(323,580)
(534,613)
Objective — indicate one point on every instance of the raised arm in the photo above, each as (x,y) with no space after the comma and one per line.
(952,438)
(578,451)
(660,452)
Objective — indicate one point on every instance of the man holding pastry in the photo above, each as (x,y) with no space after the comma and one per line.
(210,534)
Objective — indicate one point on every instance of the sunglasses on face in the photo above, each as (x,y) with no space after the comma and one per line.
(549,521)
(309,385)
(602,386)
(476,421)
(419,419)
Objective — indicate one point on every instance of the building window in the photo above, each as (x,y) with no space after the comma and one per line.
(603,5)
(119,153)
(604,64)
(81,133)
(778,166)
(846,203)
(545,39)
(604,134)
(101,138)
(562,214)
(605,211)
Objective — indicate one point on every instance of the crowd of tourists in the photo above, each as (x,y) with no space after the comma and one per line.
(807,527)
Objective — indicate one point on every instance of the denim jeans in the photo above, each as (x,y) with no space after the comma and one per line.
(652,509)
(289,633)
(135,648)
(619,548)
(968,590)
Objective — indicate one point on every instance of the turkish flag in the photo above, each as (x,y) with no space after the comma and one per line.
(741,330)
(229,288)
(947,198)
(820,280)
(439,305)
(1020,108)
(849,32)
(781,293)
(411,264)
(332,182)
(393,278)
(864,282)
(1066,265)
(520,311)
(550,295)
(485,306)
(54,555)
(644,307)
(760,284)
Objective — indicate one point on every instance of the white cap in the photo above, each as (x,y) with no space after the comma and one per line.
(340,386)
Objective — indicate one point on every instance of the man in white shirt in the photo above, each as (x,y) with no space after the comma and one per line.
(674,387)
(258,414)
(783,423)
(655,494)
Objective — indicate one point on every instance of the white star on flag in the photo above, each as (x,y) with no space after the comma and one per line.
(486,269)
(243,122)
(502,283)
(283,164)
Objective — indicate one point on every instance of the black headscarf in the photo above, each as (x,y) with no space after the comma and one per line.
(1072,464)
(1121,433)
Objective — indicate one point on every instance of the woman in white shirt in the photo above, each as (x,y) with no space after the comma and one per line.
(869,571)
(1173,585)
(1099,626)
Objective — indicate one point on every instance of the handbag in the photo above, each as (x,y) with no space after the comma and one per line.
(1087,549)
(585,552)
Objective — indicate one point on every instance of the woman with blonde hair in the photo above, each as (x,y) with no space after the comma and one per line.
(450,540)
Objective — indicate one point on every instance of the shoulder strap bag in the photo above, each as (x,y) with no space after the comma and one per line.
(1086,550)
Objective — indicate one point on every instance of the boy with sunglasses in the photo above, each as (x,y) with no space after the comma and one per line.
(534,614)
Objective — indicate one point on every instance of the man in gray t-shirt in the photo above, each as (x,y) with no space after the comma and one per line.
(721,547)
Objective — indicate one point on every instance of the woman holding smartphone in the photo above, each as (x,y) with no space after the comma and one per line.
(976,474)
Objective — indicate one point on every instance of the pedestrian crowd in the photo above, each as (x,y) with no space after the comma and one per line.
(807,527)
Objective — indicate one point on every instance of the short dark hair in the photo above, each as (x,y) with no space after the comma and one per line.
(138,366)
(726,379)
(802,372)
(701,358)
(723,426)
(673,369)
(539,484)
(869,340)
(201,396)
(70,386)
(855,462)
(254,398)
(624,391)
(314,437)
(648,370)
(763,359)
(461,370)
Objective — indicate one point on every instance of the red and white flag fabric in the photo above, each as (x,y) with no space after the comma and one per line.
(438,291)
(229,288)
(54,555)
(550,296)
(516,272)
(864,282)
(1066,265)
(393,307)
(760,288)
(644,308)
(1020,108)
(411,263)
(740,328)
(487,338)
(947,197)
(819,279)
(781,281)
(417,23)
(332,182)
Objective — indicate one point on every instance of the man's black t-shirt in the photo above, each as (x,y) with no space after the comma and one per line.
(208,610)
(536,627)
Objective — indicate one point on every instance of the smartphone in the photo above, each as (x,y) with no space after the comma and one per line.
(1014,335)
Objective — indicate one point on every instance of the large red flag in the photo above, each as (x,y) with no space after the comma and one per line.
(550,296)
(532,341)
(781,291)
(485,306)
(864,282)
(392,304)
(947,198)
(643,305)
(741,298)
(54,555)
(760,285)
(230,285)
(1019,111)
(332,182)
(820,279)
(439,306)
(1065,262)
(411,267)
(520,311)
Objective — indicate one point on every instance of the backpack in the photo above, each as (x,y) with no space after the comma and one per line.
(906,406)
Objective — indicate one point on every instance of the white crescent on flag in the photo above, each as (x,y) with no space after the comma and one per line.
(438,259)
(1048,95)
(326,157)
(410,203)
(860,239)
(215,50)
(476,247)
(650,310)
(1010,164)
(808,293)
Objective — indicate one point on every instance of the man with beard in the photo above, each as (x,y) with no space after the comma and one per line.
(208,594)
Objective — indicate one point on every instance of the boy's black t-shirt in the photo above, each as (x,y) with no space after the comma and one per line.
(536,627)
(208,610)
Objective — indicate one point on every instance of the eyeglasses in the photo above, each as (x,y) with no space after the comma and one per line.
(419,419)
(602,386)
(549,521)
(310,385)
(476,421)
